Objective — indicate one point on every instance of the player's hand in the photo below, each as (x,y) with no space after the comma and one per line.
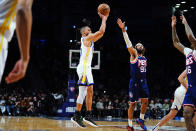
(173,24)
(183,19)
(18,71)
(103,17)
(121,24)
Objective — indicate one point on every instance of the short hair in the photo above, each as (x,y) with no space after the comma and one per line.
(82,29)
(138,44)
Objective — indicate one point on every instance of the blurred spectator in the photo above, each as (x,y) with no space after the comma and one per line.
(158,104)
(100,107)
(166,107)
(151,105)
(123,108)
(2,105)
(116,108)
(110,108)
(158,113)
(10,105)
(152,109)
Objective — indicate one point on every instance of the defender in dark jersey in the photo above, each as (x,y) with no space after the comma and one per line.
(190,97)
(138,88)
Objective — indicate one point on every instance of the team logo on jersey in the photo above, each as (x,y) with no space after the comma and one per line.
(142,62)
(189,60)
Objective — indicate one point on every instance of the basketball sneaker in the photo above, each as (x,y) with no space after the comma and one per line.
(141,123)
(88,119)
(77,119)
(130,128)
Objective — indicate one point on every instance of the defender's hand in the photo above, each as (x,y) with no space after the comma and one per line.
(183,19)
(173,24)
(121,24)
(18,71)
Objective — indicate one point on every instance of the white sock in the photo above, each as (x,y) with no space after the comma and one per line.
(130,123)
(142,116)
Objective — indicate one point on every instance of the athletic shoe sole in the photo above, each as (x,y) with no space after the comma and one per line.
(90,123)
(72,120)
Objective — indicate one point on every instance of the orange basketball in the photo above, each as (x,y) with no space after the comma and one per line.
(104,9)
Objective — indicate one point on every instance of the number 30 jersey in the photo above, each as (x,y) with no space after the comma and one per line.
(138,68)
(7,18)
(191,66)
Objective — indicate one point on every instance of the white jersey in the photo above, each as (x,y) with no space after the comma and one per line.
(179,97)
(86,54)
(84,70)
(7,18)
(7,28)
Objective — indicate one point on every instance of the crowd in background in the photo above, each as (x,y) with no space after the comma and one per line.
(19,103)
(117,107)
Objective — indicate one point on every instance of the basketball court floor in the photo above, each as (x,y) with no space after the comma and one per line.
(64,124)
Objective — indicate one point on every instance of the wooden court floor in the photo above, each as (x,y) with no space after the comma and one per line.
(44,124)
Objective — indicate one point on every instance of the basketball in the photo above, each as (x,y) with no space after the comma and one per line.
(104,9)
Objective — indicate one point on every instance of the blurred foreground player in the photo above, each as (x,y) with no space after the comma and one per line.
(84,72)
(190,97)
(178,100)
(15,14)
(138,88)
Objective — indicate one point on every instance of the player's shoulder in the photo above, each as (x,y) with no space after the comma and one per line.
(187,51)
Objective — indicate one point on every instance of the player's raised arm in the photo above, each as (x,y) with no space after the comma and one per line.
(131,50)
(182,79)
(176,41)
(189,32)
(23,30)
(93,37)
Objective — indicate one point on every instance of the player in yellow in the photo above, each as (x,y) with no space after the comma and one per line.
(84,72)
(178,100)
(15,14)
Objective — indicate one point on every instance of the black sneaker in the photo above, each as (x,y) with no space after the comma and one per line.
(88,119)
(77,119)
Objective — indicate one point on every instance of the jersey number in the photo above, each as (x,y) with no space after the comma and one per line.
(142,69)
(188,69)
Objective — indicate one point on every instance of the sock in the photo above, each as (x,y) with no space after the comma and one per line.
(77,114)
(130,123)
(156,128)
(142,116)
(88,113)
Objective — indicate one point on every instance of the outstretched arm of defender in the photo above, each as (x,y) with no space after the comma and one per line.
(131,50)
(97,35)
(182,78)
(23,30)
(176,41)
(188,30)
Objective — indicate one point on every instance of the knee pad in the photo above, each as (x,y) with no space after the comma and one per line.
(82,94)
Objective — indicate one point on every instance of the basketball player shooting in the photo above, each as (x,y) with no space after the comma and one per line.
(190,97)
(84,72)
(15,14)
(178,100)
(138,88)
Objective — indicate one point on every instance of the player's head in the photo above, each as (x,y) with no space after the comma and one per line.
(85,31)
(140,49)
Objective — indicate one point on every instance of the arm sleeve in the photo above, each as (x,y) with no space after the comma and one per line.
(127,41)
